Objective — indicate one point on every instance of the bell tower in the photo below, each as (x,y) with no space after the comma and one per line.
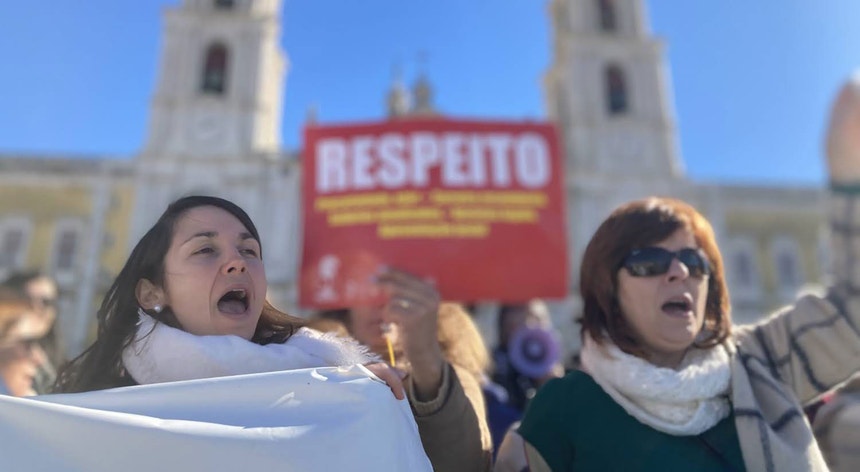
(221,78)
(608,91)
(215,123)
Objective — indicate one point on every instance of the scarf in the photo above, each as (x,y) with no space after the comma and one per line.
(160,353)
(683,402)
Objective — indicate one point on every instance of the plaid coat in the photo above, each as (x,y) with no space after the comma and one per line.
(796,355)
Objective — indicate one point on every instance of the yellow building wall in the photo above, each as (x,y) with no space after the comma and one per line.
(44,206)
(766,227)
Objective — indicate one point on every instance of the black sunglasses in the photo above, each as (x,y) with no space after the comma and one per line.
(650,261)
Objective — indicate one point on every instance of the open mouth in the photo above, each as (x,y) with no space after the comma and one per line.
(234,302)
(678,306)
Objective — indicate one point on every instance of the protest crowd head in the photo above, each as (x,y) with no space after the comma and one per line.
(208,280)
(633,227)
(20,354)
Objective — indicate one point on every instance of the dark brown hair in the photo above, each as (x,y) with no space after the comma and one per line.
(100,365)
(639,224)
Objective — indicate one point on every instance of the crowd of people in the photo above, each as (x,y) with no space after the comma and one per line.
(661,360)
(666,381)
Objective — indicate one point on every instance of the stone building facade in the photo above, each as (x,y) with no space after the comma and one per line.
(214,128)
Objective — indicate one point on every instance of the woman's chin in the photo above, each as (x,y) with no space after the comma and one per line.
(242,326)
(677,344)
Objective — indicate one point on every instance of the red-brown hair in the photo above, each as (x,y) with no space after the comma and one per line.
(639,224)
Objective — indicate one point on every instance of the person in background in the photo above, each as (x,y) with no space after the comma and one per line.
(20,354)
(195,286)
(41,290)
(440,348)
(526,357)
(330,321)
(527,354)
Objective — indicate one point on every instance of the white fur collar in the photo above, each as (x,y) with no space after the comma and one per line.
(683,402)
(160,353)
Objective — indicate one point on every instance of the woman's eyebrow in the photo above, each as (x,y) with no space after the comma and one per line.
(203,234)
(212,234)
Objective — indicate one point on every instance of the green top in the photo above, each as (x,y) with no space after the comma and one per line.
(576,426)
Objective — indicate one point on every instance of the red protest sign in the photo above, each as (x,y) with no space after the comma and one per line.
(478,206)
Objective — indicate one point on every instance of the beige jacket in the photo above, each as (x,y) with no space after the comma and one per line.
(453,426)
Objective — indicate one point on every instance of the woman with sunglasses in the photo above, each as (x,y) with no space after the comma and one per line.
(20,354)
(41,290)
(668,383)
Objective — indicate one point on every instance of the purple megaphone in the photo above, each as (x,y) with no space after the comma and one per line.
(533,351)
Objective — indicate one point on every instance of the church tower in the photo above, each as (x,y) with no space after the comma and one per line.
(607,89)
(220,89)
(215,123)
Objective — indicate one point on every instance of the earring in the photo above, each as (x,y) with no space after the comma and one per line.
(157,308)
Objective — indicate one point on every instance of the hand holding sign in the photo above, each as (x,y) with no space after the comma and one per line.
(413,304)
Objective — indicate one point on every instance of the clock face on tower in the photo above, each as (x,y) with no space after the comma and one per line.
(207,128)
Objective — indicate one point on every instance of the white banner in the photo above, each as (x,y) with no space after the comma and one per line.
(327,419)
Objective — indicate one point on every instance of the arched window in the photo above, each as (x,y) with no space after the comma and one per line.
(787,264)
(215,70)
(616,90)
(786,269)
(225,4)
(67,248)
(606,8)
(743,269)
(13,243)
(742,272)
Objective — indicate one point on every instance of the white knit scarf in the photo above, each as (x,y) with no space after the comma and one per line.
(683,402)
(160,353)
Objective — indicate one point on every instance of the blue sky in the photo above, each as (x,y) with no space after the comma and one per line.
(753,81)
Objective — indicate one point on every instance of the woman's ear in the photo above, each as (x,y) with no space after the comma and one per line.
(149,295)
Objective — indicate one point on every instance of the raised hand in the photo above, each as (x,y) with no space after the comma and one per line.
(843,135)
(413,304)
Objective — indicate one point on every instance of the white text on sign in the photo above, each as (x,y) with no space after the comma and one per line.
(463,160)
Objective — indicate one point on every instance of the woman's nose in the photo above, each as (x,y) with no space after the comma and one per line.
(236,265)
(677,270)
